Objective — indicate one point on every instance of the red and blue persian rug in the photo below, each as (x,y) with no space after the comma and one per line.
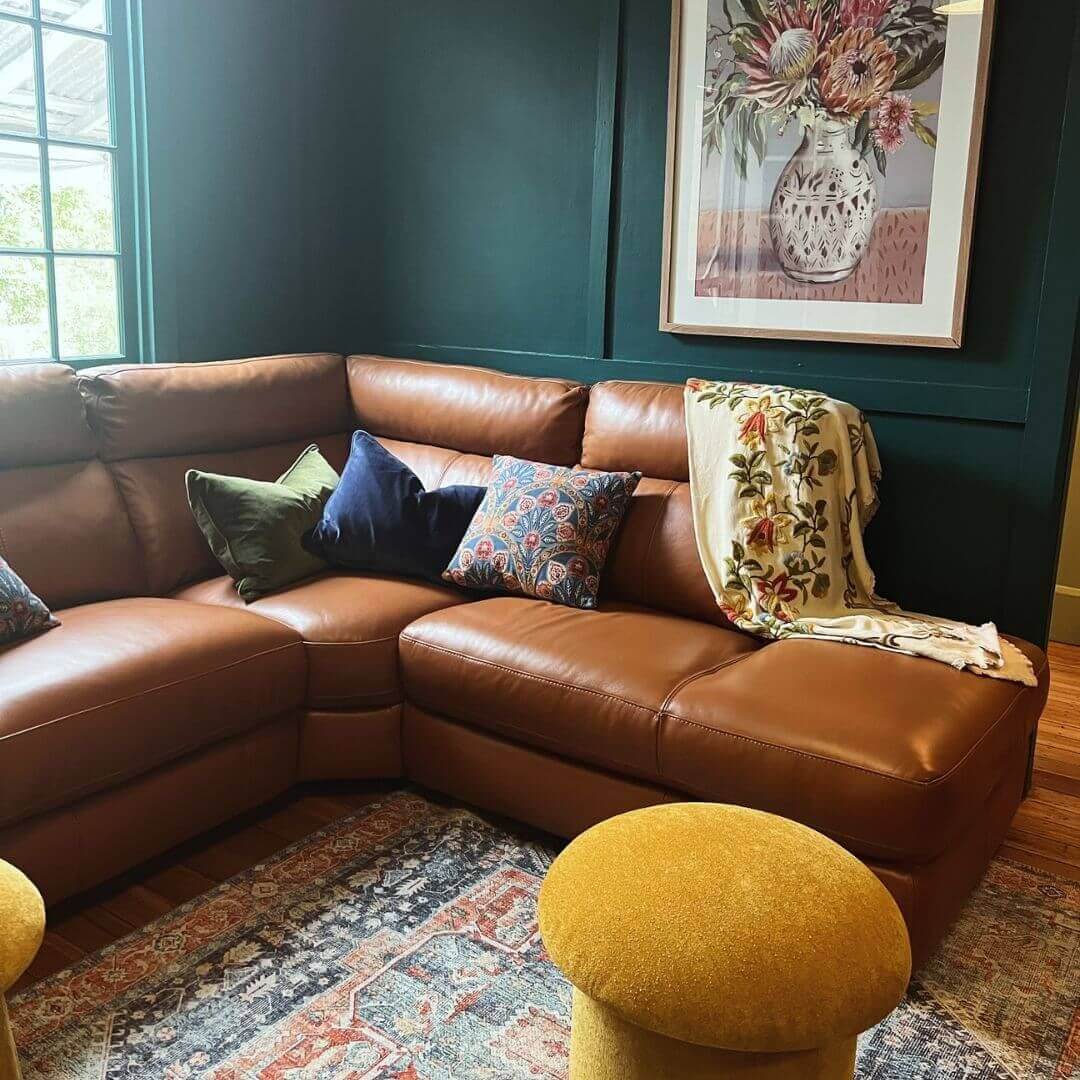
(401,944)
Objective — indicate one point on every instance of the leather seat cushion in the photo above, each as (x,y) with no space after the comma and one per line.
(123,686)
(349,624)
(891,755)
(588,685)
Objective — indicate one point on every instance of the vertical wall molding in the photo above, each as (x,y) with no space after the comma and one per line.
(1034,544)
(607,95)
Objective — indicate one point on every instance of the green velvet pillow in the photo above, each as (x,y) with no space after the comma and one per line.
(254,527)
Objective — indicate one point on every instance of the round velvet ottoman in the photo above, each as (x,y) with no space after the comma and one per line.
(22,926)
(708,941)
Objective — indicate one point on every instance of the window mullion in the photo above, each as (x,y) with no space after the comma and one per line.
(46,186)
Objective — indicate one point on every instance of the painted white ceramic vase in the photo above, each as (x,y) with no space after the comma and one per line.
(822,213)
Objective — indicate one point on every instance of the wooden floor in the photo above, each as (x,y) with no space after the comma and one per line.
(1046,829)
(1046,833)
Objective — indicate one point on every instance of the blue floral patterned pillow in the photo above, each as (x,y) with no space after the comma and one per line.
(543,531)
(21,612)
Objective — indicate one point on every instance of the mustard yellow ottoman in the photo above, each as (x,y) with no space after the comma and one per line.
(22,926)
(707,941)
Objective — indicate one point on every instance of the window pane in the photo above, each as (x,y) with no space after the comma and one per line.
(82,199)
(86,307)
(20,195)
(20,7)
(76,86)
(85,14)
(24,308)
(18,109)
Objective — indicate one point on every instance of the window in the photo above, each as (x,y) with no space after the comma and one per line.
(66,243)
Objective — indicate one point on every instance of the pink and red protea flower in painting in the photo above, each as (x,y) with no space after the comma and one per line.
(817,61)
(779,59)
(863,14)
(840,70)
(857,71)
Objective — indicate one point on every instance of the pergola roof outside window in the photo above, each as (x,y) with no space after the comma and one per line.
(68,279)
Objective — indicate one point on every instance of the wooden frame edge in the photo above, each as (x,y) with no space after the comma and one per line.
(674,68)
(953,340)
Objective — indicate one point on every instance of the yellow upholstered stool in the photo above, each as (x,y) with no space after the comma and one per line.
(22,926)
(708,941)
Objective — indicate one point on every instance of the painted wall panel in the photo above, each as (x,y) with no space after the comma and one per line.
(503,278)
(243,119)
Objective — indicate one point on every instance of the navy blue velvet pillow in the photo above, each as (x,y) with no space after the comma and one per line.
(380,518)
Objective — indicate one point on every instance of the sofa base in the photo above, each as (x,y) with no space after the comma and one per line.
(361,745)
(78,846)
(564,798)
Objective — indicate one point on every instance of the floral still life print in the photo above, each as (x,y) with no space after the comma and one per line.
(543,531)
(782,484)
(854,85)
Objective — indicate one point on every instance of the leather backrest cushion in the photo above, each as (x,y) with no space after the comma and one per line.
(171,409)
(635,425)
(437,467)
(63,526)
(42,420)
(654,559)
(469,409)
(65,532)
(175,551)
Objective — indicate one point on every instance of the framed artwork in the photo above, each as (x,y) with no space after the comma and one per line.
(822,165)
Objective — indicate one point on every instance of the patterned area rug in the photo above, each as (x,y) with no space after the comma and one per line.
(401,944)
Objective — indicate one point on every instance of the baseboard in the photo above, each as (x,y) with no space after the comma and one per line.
(1065,624)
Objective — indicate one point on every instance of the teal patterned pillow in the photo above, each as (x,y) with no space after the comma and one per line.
(543,531)
(21,612)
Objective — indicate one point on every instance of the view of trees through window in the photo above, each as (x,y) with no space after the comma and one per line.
(59,251)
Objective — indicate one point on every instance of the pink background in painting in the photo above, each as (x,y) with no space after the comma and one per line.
(736,258)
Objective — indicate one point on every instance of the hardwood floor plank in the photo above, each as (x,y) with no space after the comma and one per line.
(137,905)
(230,855)
(179,884)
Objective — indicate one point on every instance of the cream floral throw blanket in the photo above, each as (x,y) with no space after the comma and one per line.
(782,483)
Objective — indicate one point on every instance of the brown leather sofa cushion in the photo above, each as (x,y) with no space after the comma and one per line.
(123,686)
(654,559)
(891,755)
(62,523)
(174,550)
(587,685)
(239,417)
(42,421)
(350,625)
(139,411)
(470,409)
(438,467)
(636,425)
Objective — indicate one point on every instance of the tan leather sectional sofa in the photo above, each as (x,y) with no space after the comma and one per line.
(163,705)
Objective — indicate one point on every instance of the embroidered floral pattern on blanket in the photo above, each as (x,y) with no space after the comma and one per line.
(783,482)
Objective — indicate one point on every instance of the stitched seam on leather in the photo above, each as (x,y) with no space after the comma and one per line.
(847,764)
(486,726)
(347,644)
(529,675)
(218,735)
(446,468)
(652,539)
(686,682)
(389,691)
(149,691)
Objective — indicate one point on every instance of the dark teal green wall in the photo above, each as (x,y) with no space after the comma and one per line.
(506,166)
(483,181)
(244,107)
